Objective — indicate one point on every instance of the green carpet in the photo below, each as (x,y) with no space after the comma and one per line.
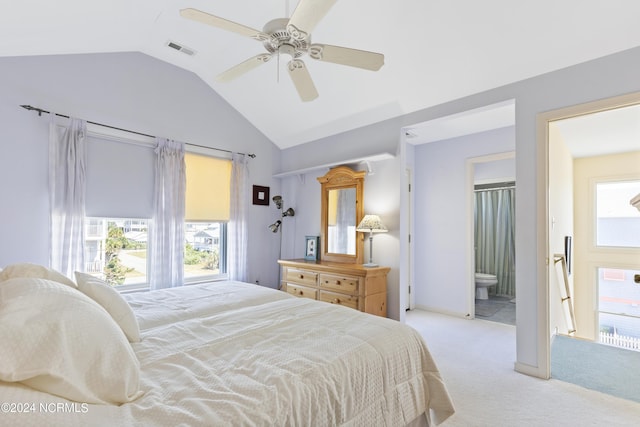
(595,366)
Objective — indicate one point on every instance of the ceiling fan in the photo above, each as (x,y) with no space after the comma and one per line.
(292,37)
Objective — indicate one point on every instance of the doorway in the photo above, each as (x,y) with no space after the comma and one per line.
(587,145)
(441,200)
(491,216)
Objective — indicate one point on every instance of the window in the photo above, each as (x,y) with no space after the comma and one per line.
(116,250)
(119,207)
(618,223)
(619,307)
(205,250)
(206,215)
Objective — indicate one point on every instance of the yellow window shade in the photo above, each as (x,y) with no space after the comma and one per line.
(208,188)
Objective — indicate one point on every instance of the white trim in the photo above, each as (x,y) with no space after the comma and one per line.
(439,311)
(365,159)
(523,368)
(542,202)
(122,136)
(132,138)
(469,195)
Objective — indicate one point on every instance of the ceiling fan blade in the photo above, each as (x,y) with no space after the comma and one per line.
(302,80)
(243,67)
(224,24)
(346,56)
(306,16)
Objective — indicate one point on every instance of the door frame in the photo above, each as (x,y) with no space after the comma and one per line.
(543,214)
(470,165)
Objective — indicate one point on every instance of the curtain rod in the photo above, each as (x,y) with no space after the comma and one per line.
(41,111)
(479,190)
(495,186)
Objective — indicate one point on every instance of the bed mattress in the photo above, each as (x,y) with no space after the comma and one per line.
(232,353)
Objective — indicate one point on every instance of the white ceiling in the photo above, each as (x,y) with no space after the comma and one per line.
(605,132)
(435,50)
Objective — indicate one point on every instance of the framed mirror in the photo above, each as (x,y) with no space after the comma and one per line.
(342,209)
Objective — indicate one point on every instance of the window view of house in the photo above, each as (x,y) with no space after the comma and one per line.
(618,226)
(204,249)
(619,308)
(116,250)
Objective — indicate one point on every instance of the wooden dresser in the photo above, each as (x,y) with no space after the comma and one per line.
(351,285)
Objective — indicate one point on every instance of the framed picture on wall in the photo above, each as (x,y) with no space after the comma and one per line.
(311,246)
(260,195)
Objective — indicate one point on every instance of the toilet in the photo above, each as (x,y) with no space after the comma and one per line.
(483,281)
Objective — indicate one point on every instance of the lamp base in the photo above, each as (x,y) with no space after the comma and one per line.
(370,264)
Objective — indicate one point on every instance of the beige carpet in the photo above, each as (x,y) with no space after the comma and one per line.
(476,359)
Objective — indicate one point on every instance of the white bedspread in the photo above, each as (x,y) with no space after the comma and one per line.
(230,353)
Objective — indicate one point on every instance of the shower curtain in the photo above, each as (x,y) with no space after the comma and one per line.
(495,237)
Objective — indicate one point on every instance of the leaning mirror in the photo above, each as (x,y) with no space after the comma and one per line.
(342,210)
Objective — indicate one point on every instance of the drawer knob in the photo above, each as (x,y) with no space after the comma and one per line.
(301,292)
(302,276)
(338,282)
(335,301)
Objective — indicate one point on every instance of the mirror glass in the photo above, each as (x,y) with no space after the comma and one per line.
(341,221)
(341,210)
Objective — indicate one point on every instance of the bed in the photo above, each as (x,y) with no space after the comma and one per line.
(220,353)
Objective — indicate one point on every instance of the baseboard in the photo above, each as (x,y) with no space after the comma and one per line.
(439,311)
(532,371)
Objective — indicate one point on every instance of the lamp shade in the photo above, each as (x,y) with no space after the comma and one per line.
(278,201)
(371,224)
(275,226)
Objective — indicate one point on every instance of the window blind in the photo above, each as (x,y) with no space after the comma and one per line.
(208,188)
(119,179)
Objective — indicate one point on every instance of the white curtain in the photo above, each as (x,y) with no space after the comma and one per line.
(67,182)
(166,231)
(238,221)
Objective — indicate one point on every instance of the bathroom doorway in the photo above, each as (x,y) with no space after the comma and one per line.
(492,216)
(438,151)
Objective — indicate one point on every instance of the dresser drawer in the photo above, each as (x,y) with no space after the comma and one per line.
(301,291)
(340,299)
(347,284)
(350,285)
(303,277)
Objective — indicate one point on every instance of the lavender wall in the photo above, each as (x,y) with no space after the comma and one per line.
(128,90)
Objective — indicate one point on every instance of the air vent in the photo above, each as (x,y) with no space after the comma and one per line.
(181,48)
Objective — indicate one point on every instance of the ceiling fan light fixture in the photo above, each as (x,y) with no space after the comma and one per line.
(287,49)
(291,36)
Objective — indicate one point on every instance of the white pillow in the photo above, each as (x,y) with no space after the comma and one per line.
(34,270)
(59,341)
(119,309)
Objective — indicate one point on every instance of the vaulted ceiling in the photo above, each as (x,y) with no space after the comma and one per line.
(435,50)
